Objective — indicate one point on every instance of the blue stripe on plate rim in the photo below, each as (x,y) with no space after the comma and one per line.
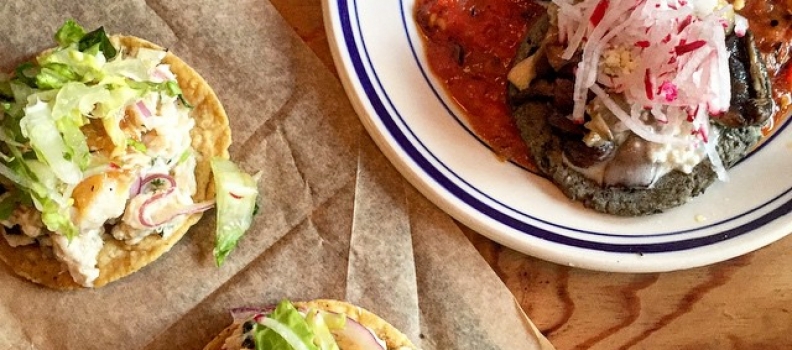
(468,199)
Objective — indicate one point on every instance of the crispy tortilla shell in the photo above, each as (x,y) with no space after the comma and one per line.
(394,339)
(211,137)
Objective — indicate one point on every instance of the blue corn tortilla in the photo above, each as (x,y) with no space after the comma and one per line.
(673,189)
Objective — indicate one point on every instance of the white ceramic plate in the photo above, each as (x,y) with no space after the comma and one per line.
(380,56)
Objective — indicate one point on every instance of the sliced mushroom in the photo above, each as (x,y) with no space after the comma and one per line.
(630,166)
(561,123)
(563,95)
(580,155)
(530,57)
(565,68)
(541,88)
(752,101)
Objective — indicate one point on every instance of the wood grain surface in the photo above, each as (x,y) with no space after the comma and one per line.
(744,303)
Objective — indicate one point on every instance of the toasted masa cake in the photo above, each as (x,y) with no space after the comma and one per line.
(673,189)
(547,143)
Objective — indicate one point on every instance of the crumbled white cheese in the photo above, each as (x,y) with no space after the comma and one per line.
(682,157)
(618,60)
(80,255)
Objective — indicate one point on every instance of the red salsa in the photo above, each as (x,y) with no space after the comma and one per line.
(771,23)
(470,46)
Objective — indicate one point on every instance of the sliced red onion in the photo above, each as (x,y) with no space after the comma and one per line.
(134,190)
(190,209)
(146,180)
(198,207)
(141,213)
(140,183)
(143,109)
(355,333)
(158,75)
(242,314)
(161,74)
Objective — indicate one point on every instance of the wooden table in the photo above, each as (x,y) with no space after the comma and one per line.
(743,303)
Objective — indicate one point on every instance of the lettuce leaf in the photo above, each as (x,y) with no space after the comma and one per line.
(26,74)
(97,40)
(45,138)
(287,330)
(8,203)
(69,33)
(320,323)
(56,218)
(236,200)
(88,66)
(55,75)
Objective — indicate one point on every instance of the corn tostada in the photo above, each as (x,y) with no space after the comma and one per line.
(111,148)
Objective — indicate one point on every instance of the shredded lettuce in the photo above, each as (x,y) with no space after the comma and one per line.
(57,218)
(236,201)
(284,329)
(20,91)
(37,180)
(47,141)
(184,156)
(10,201)
(6,93)
(12,175)
(137,70)
(76,99)
(288,329)
(137,145)
(173,89)
(95,41)
(7,204)
(86,65)
(75,141)
(45,103)
(26,74)
(321,323)
(54,75)
(69,33)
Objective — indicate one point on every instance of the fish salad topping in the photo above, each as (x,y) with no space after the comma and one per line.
(96,145)
(287,328)
(654,73)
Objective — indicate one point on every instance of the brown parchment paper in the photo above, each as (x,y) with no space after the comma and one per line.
(336,220)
